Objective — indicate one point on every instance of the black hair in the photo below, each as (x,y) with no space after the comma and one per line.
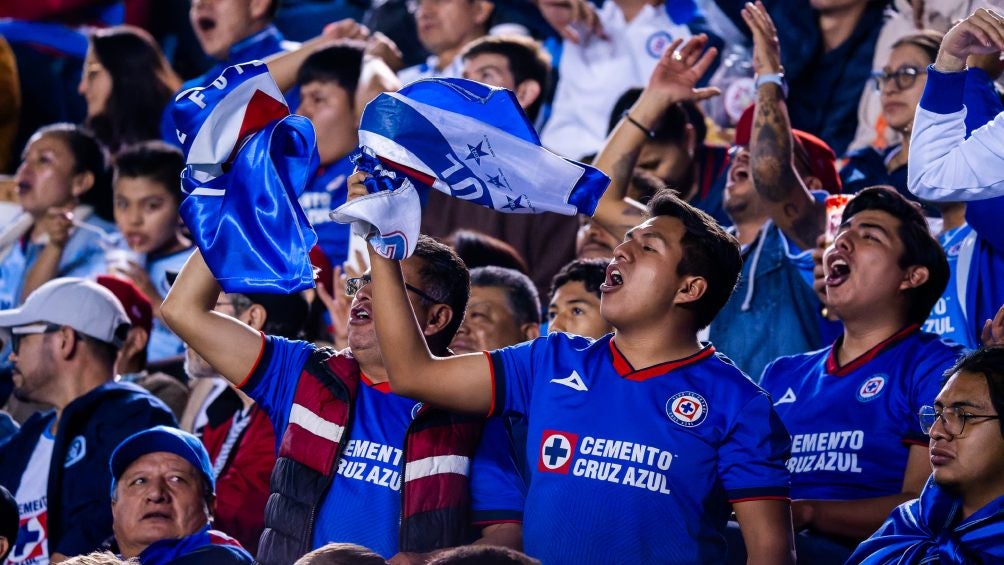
(708,252)
(928,41)
(446,278)
(519,290)
(672,128)
(989,362)
(285,314)
(482,555)
(341,64)
(341,554)
(644,185)
(481,250)
(89,156)
(590,272)
(919,246)
(154,160)
(142,85)
(527,61)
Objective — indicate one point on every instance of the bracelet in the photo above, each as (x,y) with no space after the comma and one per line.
(648,133)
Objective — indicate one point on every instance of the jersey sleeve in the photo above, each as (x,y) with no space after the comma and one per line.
(512,377)
(751,461)
(272,382)
(497,488)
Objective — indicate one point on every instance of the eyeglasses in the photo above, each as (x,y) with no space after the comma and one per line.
(32,329)
(353,285)
(953,418)
(904,77)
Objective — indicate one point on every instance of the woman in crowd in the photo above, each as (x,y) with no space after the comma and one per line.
(126,82)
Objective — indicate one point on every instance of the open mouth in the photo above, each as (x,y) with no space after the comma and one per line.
(205,24)
(839,271)
(23,188)
(614,279)
(359,314)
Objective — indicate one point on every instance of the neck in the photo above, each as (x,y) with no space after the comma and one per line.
(952,215)
(747,229)
(862,335)
(837,25)
(446,56)
(645,347)
(630,8)
(972,502)
(79,383)
(373,369)
(178,243)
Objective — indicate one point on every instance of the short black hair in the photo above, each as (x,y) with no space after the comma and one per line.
(919,246)
(708,252)
(154,160)
(527,61)
(672,128)
(481,250)
(989,362)
(285,314)
(519,290)
(341,63)
(590,272)
(446,278)
(928,41)
(88,156)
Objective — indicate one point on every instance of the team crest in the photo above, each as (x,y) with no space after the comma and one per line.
(556,451)
(871,388)
(76,452)
(416,410)
(657,43)
(687,409)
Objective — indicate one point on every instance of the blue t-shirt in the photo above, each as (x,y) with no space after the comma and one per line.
(948,317)
(327,191)
(636,466)
(852,425)
(363,504)
(163,343)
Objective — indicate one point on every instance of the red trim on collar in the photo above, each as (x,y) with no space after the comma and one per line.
(624,368)
(832,368)
(383,387)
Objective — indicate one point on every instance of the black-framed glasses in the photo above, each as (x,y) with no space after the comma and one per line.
(953,418)
(353,285)
(18,332)
(903,77)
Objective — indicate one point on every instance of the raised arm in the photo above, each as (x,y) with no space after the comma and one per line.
(228,345)
(672,81)
(772,155)
(944,165)
(284,66)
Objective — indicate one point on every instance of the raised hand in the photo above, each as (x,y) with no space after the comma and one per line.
(981,33)
(993,331)
(57,224)
(766,47)
(574,20)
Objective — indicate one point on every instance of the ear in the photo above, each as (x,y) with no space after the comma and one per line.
(82,182)
(259,8)
(527,92)
(437,317)
(915,277)
(68,343)
(4,545)
(255,316)
(812,183)
(691,290)
(530,331)
(135,342)
(484,11)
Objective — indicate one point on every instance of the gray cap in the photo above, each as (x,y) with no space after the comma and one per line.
(84,305)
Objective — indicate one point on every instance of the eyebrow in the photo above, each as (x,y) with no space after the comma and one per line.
(959,404)
(866,225)
(654,235)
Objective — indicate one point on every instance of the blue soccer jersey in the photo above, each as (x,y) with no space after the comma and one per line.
(851,426)
(363,504)
(327,191)
(636,466)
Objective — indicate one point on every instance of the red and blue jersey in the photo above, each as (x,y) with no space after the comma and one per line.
(852,425)
(636,466)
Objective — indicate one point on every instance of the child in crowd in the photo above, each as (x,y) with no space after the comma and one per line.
(575,299)
(147,195)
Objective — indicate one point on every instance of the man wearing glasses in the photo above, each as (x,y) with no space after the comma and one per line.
(959,516)
(64,340)
(357,463)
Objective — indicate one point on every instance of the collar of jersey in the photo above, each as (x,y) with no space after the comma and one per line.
(627,371)
(832,368)
(383,387)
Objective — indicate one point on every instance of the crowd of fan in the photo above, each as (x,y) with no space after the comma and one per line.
(814,188)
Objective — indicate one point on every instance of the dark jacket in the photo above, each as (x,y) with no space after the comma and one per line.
(434,506)
(79,492)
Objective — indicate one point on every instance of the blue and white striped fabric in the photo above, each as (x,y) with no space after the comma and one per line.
(470,141)
(247,161)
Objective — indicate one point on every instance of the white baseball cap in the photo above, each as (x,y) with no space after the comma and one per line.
(84,305)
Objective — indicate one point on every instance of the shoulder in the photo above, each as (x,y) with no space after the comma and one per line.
(929,349)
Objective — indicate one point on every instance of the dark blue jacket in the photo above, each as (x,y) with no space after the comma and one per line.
(79,501)
(204,547)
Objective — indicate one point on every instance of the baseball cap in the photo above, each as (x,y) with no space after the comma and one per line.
(84,305)
(821,158)
(9,520)
(136,304)
(161,439)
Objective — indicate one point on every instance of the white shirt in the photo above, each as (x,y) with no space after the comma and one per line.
(428,69)
(32,545)
(595,73)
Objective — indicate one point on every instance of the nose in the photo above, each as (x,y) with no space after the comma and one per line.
(82,85)
(157,491)
(938,430)
(844,241)
(558,323)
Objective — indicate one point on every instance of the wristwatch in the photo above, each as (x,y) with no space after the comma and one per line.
(773,78)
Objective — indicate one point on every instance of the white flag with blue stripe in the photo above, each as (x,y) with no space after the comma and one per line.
(473,142)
